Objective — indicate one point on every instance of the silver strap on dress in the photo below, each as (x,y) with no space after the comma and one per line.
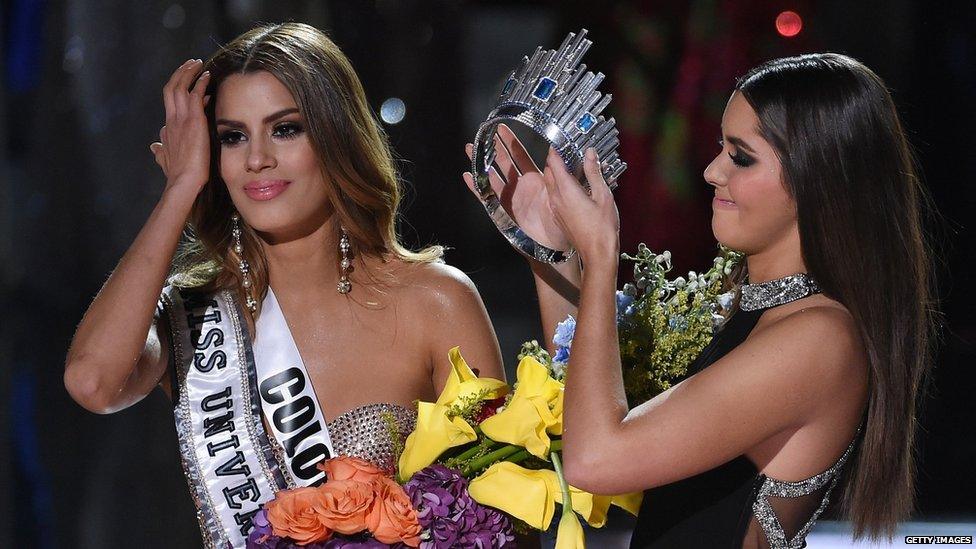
(766,515)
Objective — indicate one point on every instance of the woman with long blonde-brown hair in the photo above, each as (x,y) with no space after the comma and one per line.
(293,325)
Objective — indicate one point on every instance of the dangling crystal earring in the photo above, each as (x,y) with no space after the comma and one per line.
(345,265)
(250,302)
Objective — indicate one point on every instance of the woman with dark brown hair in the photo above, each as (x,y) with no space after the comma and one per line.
(293,325)
(809,391)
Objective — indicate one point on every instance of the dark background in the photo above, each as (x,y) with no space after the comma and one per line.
(80,103)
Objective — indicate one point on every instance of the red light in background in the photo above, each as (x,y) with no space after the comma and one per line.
(789,24)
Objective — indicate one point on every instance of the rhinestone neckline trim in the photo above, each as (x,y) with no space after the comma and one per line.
(771,293)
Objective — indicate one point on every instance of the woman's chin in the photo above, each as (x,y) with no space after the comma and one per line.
(729,238)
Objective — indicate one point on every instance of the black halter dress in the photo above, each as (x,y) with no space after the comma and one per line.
(733,505)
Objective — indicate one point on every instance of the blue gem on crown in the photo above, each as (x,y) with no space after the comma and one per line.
(586,122)
(508,86)
(545,88)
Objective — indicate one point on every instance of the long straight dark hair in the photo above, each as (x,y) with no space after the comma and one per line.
(861,212)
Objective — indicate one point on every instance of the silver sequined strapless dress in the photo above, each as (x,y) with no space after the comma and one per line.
(372,432)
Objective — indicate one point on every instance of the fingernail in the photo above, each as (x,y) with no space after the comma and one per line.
(591,153)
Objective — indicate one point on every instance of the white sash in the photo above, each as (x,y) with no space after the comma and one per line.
(231,464)
(287,396)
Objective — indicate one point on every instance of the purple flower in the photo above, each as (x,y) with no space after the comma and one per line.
(261,524)
(357,542)
(450,517)
(485,527)
(565,331)
(262,536)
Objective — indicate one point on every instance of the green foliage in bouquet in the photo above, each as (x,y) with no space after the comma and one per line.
(663,324)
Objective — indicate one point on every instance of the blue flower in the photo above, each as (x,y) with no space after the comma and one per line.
(678,323)
(624,303)
(565,331)
(562,355)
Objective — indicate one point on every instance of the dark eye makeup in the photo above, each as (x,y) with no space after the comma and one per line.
(283,130)
(741,159)
(738,157)
(288,130)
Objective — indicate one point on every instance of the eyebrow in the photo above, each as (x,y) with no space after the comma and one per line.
(267,119)
(738,142)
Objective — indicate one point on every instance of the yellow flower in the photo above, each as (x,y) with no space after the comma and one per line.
(570,533)
(435,431)
(523,493)
(538,492)
(534,412)
(593,508)
(629,502)
(463,383)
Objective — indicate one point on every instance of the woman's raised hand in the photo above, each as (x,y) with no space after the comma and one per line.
(590,222)
(183,149)
(525,196)
(550,205)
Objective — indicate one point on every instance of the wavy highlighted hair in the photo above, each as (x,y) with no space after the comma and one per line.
(345,135)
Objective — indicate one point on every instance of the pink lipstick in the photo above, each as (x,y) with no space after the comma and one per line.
(723,204)
(265,189)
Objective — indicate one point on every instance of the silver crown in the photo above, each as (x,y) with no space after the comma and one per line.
(556,97)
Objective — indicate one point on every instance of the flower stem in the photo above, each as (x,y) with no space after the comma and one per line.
(567,499)
(522,455)
(473,451)
(518,457)
(493,457)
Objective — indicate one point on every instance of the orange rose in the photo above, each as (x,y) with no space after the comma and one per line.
(392,519)
(294,514)
(346,468)
(344,505)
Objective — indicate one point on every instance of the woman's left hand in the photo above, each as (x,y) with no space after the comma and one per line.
(590,221)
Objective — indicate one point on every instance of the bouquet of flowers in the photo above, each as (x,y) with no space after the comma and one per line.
(662,324)
(481,442)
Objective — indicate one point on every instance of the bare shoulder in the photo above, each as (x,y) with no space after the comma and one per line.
(444,304)
(438,285)
(818,342)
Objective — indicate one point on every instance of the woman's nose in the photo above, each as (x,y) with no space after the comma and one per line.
(260,157)
(713,172)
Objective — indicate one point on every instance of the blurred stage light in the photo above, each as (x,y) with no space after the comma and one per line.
(789,24)
(74,55)
(393,110)
(174,16)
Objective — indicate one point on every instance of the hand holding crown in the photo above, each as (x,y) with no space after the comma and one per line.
(556,98)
